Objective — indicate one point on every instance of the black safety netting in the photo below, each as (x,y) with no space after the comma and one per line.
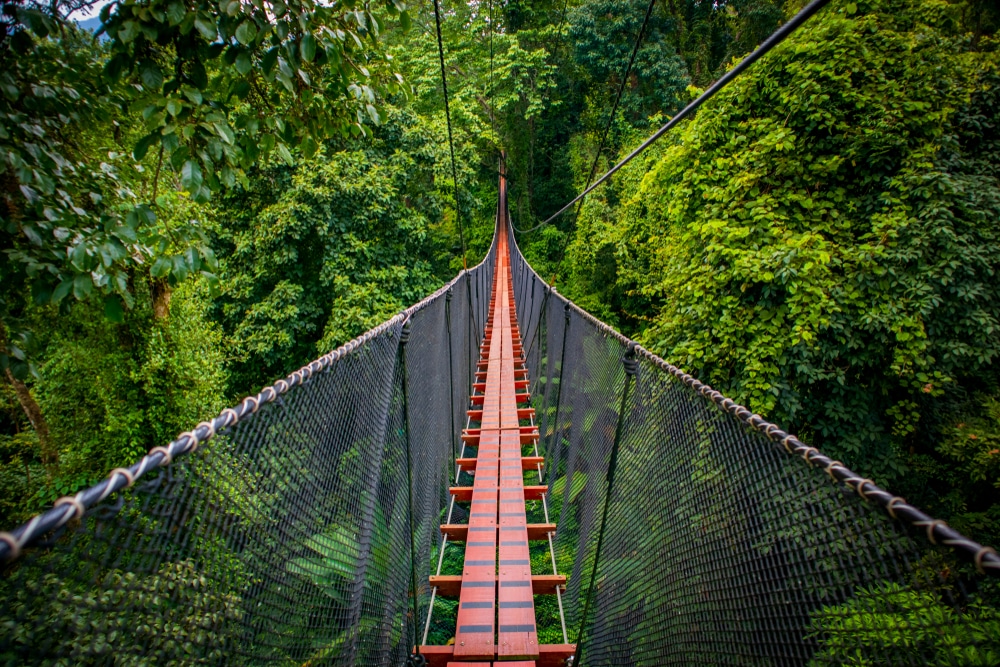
(285,538)
(726,541)
(301,526)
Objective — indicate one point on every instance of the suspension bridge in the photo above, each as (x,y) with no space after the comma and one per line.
(494,477)
(490,477)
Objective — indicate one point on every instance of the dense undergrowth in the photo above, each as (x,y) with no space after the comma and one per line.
(820,243)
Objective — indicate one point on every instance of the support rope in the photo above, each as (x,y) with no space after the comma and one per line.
(403,338)
(447,116)
(776,38)
(614,110)
(631,367)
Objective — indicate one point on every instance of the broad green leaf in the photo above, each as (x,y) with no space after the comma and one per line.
(191,177)
(206,26)
(243,63)
(142,146)
(83,285)
(175,12)
(129,31)
(246,32)
(151,75)
(62,291)
(307,47)
(160,268)
(285,154)
(225,132)
(179,268)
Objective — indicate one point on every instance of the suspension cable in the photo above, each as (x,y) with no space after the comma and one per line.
(614,110)
(493,111)
(618,98)
(447,115)
(776,38)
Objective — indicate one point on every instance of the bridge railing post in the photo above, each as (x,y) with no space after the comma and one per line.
(404,337)
(631,369)
(556,434)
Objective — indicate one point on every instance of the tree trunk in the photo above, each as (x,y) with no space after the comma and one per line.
(49,453)
(161,298)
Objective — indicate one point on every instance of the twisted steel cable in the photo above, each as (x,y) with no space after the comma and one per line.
(447,116)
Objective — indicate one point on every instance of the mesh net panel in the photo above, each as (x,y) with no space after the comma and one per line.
(285,538)
(720,548)
(289,536)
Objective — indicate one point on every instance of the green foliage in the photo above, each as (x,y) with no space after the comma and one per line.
(222,86)
(72,221)
(203,91)
(175,615)
(110,391)
(890,624)
(603,34)
(316,255)
(816,243)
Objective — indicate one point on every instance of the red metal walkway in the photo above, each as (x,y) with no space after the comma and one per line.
(496,614)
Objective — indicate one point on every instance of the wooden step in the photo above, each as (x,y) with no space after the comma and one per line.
(457,532)
(527,462)
(478,399)
(549,655)
(528,435)
(464,493)
(541,584)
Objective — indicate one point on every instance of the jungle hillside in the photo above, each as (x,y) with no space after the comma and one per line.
(200,197)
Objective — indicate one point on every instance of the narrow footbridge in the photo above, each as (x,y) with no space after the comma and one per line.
(492,477)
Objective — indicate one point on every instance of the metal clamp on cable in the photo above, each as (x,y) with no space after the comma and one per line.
(404,333)
(416,660)
(629,360)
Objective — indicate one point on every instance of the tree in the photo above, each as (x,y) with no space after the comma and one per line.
(819,244)
(208,89)
(317,254)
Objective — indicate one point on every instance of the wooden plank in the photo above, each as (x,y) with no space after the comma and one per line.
(549,655)
(554,655)
(450,585)
(527,462)
(517,636)
(535,492)
(540,531)
(437,656)
(474,633)
(458,532)
(545,584)
(464,493)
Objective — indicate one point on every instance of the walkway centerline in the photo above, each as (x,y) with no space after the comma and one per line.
(496,615)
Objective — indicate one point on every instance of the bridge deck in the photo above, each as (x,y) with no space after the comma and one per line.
(496,613)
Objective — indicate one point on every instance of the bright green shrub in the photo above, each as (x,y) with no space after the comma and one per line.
(820,243)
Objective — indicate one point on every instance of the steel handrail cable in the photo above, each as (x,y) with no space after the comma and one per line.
(611,116)
(985,558)
(618,97)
